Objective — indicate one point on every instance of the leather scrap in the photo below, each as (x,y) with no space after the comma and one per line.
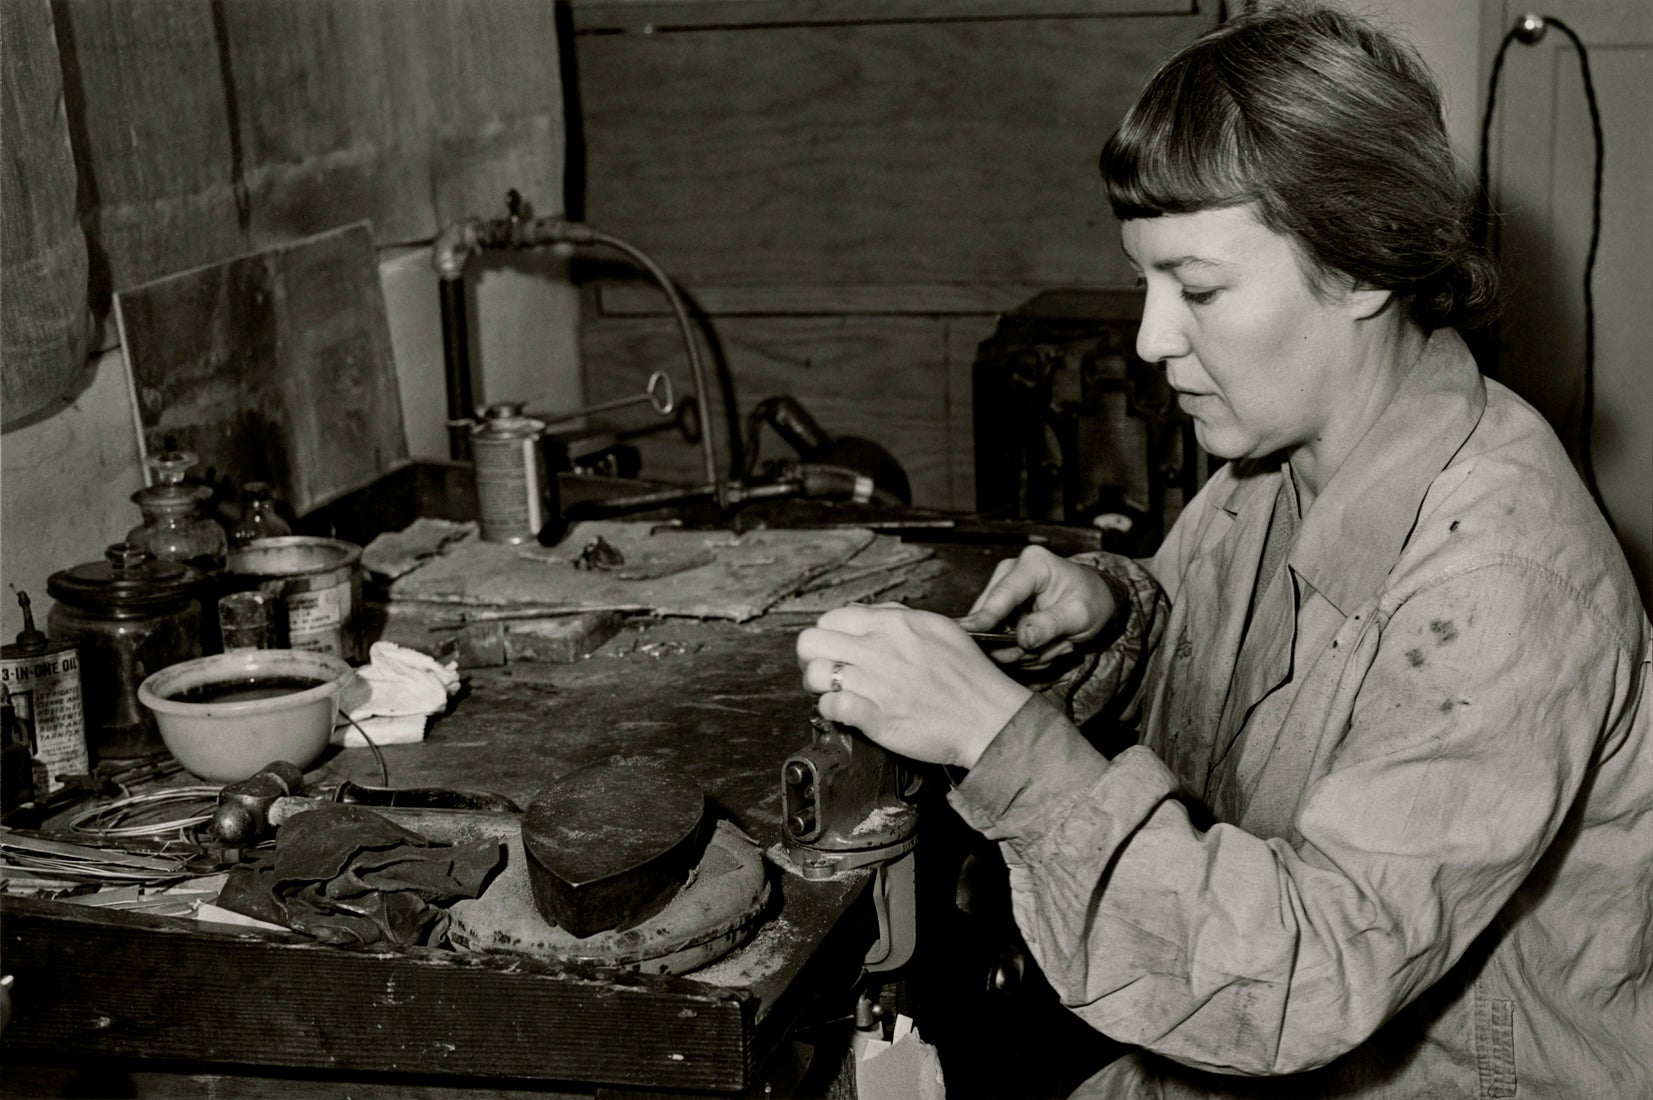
(347,875)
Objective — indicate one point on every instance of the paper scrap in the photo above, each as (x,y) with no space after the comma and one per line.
(396,553)
(902,1068)
(391,698)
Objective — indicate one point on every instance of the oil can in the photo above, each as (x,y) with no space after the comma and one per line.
(516,492)
(42,680)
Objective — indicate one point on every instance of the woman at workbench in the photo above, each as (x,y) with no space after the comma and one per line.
(1388,823)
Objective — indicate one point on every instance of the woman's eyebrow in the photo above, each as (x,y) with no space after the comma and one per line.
(1174,262)
(1170,264)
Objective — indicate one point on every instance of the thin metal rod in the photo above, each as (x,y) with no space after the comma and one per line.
(658,396)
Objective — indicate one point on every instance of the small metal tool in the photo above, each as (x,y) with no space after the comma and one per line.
(251,810)
(993,637)
(242,815)
(846,802)
(657,394)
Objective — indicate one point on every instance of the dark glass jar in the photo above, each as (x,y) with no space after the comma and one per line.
(130,615)
(259,518)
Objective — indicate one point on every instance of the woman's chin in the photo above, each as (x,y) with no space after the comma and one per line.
(1218,444)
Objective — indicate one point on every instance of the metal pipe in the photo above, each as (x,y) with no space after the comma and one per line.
(456,360)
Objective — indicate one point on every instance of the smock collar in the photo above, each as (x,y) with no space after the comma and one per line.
(1356,528)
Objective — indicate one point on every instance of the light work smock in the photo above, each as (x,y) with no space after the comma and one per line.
(1392,836)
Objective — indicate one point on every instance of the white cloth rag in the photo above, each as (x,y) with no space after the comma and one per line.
(393,696)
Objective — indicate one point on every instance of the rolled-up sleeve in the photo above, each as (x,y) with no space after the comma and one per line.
(1450,761)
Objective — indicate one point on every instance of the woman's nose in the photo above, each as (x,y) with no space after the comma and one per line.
(1159,335)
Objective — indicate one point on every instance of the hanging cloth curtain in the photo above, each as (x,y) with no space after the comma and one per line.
(43,274)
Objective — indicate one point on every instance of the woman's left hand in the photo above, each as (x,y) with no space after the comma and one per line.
(913,681)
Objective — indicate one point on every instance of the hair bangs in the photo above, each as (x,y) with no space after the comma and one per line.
(1179,148)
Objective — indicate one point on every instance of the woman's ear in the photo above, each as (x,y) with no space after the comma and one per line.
(1365,301)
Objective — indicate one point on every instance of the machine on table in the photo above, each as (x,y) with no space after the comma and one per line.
(1072,427)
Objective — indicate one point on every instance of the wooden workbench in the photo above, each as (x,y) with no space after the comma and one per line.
(113,1003)
(720,702)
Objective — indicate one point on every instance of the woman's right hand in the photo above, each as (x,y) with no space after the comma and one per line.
(1070,604)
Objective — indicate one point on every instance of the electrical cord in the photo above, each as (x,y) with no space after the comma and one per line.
(1528,30)
(384,769)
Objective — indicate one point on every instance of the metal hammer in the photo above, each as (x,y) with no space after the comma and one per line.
(243,813)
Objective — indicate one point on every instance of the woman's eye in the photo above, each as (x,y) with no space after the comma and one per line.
(1198,297)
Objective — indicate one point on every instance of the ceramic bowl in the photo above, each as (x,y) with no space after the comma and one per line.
(226,716)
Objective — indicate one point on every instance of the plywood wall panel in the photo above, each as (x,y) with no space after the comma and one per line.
(942,153)
(495,85)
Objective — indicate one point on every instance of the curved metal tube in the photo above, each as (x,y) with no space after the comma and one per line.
(456,244)
(697,372)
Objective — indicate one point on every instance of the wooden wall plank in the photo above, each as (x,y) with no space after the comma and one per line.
(150,128)
(322,137)
(665,15)
(496,88)
(409,116)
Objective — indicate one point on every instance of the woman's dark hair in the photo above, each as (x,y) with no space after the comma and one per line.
(1334,130)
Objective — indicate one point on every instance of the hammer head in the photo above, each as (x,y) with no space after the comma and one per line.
(242,816)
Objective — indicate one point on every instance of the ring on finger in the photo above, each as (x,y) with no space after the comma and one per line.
(836,681)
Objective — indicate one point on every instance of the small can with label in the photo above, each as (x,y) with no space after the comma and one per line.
(42,679)
(316,586)
(516,492)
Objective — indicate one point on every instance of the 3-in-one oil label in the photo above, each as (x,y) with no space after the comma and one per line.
(45,695)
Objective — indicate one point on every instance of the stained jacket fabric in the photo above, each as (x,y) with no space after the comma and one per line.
(1388,826)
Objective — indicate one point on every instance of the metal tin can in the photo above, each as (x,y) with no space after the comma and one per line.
(516,493)
(317,585)
(43,680)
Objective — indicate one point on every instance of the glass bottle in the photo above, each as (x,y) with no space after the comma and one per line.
(130,615)
(259,518)
(174,527)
